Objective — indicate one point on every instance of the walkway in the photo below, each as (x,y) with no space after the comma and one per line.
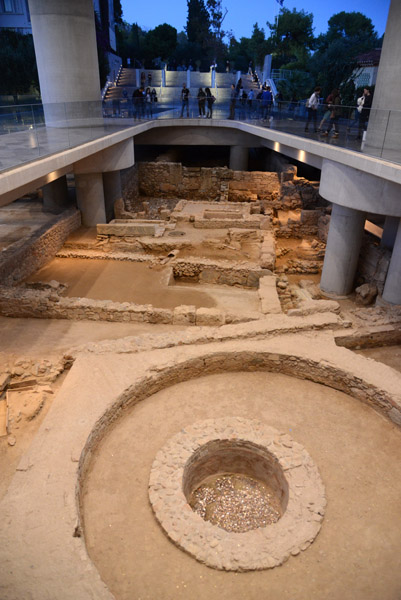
(25,141)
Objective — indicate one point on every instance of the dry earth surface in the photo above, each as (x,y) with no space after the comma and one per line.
(355,556)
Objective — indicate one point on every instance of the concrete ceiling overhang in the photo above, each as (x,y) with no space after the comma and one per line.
(27,177)
(198,136)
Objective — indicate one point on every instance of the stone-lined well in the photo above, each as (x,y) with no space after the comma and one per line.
(251,448)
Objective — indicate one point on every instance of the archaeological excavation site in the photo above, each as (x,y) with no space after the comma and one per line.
(185,411)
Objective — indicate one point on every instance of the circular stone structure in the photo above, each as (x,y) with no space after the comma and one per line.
(252,449)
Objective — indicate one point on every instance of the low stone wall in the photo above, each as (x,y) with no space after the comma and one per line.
(48,304)
(208,271)
(28,255)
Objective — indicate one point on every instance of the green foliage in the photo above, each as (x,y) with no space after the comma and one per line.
(298,85)
(291,39)
(118,12)
(102,43)
(160,42)
(18,63)
(198,23)
(258,46)
(130,41)
(335,61)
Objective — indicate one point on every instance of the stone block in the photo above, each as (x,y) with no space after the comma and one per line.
(269,300)
(267,260)
(184,315)
(209,317)
(209,276)
(4,380)
(395,415)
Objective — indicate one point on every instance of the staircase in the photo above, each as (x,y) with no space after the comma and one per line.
(171,94)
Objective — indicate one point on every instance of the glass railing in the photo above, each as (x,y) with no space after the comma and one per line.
(28,132)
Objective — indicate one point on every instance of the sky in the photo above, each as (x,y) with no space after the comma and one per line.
(242,14)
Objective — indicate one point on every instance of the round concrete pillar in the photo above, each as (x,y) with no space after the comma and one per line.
(389,232)
(90,198)
(64,36)
(238,158)
(342,250)
(55,196)
(392,287)
(383,137)
(112,192)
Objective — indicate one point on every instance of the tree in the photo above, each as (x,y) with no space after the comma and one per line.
(161,42)
(198,23)
(118,12)
(216,17)
(291,39)
(258,46)
(102,42)
(334,64)
(130,41)
(17,57)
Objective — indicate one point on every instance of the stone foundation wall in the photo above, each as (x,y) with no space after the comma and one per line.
(172,180)
(130,188)
(28,255)
(373,263)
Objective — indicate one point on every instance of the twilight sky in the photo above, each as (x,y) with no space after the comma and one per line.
(242,14)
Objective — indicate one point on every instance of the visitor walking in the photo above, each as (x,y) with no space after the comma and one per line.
(201,103)
(312,105)
(335,114)
(210,99)
(184,100)
(326,115)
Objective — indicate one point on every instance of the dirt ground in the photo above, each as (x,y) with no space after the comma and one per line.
(23,426)
(388,355)
(355,556)
(121,281)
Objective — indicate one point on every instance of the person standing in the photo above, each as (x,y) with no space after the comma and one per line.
(365,112)
(267,99)
(184,100)
(312,105)
(233,100)
(148,103)
(201,102)
(210,100)
(251,96)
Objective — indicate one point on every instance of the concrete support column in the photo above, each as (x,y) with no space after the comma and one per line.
(66,55)
(90,198)
(112,192)
(392,287)
(55,196)
(238,158)
(383,137)
(390,232)
(342,251)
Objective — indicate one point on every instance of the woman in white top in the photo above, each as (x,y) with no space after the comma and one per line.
(312,106)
